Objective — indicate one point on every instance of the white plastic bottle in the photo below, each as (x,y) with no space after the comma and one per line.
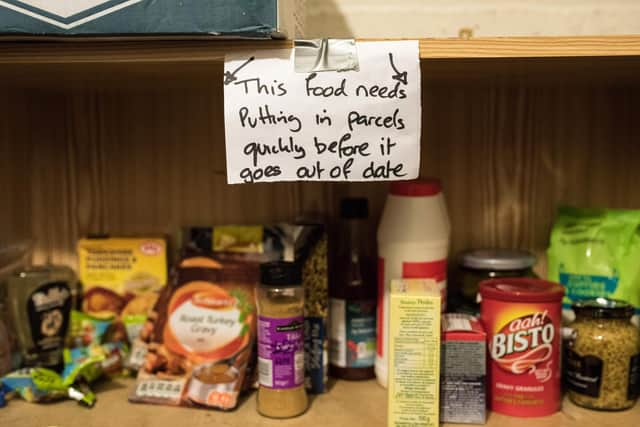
(413,242)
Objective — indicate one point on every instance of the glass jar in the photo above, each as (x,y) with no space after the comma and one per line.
(280,302)
(603,355)
(483,264)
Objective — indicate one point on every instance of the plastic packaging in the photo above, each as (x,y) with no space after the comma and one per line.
(413,242)
(594,253)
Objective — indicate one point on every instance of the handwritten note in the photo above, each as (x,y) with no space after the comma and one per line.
(359,125)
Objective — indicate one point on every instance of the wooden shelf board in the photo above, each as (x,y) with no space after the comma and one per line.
(207,50)
(347,404)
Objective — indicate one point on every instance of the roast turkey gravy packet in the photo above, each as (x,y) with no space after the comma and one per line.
(200,336)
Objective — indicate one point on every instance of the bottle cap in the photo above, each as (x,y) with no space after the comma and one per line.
(279,273)
(497,259)
(603,308)
(354,208)
(416,188)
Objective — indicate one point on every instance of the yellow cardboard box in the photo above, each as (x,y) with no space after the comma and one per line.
(414,353)
(121,276)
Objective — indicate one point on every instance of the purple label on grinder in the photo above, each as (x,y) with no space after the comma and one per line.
(280,352)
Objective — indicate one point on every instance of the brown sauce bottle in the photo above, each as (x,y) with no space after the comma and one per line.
(352,326)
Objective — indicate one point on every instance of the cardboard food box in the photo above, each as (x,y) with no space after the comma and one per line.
(165,18)
(302,243)
(414,353)
(121,278)
(463,388)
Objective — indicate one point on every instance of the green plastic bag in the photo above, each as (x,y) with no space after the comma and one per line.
(596,253)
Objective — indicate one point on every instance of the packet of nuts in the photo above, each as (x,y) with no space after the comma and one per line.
(302,243)
(200,335)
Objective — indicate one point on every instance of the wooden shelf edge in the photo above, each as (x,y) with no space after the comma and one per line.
(347,404)
(207,50)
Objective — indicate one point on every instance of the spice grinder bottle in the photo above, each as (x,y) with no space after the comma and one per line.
(413,243)
(352,327)
(40,301)
(280,302)
(603,355)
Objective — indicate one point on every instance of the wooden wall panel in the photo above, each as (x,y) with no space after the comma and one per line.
(148,160)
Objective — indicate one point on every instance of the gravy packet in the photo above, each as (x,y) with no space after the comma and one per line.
(200,336)
(305,244)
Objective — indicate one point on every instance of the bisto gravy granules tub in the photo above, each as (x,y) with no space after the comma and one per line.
(522,321)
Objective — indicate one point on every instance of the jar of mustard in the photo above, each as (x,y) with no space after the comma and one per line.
(603,355)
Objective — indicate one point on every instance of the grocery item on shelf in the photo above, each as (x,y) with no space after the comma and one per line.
(594,253)
(121,277)
(463,385)
(489,263)
(40,385)
(40,302)
(352,326)
(414,353)
(413,242)
(603,355)
(304,243)
(200,335)
(280,302)
(522,320)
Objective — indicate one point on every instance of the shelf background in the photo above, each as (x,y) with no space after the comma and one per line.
(144,152)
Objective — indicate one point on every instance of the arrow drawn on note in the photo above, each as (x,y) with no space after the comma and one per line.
(399,76)
(230,77)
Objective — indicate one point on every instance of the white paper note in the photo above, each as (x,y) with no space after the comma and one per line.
(329,126)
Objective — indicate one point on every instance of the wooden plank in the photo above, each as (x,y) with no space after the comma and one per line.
(185,51)
(149,160)
(348,403)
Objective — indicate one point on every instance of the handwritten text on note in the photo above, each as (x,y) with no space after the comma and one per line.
(328,126)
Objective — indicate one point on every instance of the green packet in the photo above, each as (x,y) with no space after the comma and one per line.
(596,253)
(44,385)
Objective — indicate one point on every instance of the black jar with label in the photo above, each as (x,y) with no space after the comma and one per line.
(603,355)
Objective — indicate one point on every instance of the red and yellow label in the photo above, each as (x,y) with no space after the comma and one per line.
(524,357)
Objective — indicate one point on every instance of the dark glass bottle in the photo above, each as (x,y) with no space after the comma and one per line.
(352,327)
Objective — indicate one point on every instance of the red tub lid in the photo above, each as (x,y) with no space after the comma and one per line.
(521,290)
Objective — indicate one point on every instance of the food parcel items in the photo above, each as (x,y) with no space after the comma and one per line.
(306,244)
(200,336)
(594,253)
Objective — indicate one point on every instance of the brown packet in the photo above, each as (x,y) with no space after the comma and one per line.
(200,336)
